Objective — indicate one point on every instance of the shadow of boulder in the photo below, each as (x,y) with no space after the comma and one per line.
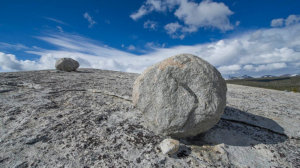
(239,128)
(84,71)
(183,152)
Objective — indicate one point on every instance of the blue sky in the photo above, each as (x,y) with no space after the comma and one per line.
(237,36)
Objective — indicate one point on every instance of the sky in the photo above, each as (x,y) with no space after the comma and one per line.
(238,37)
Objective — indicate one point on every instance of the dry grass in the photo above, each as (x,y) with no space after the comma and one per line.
(278,83)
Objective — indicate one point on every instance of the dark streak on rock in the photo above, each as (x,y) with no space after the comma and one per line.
(68,90)
(6,90)
(3,159)
(37,139)
(11,76)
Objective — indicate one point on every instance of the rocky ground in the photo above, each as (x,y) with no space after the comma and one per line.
(86,119)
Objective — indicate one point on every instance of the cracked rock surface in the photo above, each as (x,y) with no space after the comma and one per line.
(86,119)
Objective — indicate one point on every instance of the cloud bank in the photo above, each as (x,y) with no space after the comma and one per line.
(259,52)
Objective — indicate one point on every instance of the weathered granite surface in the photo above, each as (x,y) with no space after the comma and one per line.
(86,119)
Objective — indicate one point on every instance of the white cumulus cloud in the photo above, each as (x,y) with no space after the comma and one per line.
(9,62)
(290,20)
(230,69)
(173,29)
(277,22)
(205,14)
(269,67)
(248,67)
(148,7)
(194,15)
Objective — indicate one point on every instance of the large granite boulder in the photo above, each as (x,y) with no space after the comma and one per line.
(181,96)
(66,64)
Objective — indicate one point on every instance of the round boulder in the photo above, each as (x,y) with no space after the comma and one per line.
(66,64)
(181,96)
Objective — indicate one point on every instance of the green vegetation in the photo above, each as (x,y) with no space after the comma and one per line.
(278,83)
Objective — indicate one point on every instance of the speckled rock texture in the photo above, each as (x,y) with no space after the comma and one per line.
(181,96)
(66,64)
(86,119)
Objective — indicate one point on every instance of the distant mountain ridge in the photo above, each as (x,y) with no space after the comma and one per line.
(240,77)
(264,76)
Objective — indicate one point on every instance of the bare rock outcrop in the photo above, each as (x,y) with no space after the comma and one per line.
(85,118)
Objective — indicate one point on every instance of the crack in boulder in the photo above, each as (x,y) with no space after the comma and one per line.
(192,93)
(195,105)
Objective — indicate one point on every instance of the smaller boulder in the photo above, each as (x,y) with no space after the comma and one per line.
(66,64)
(169,146)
